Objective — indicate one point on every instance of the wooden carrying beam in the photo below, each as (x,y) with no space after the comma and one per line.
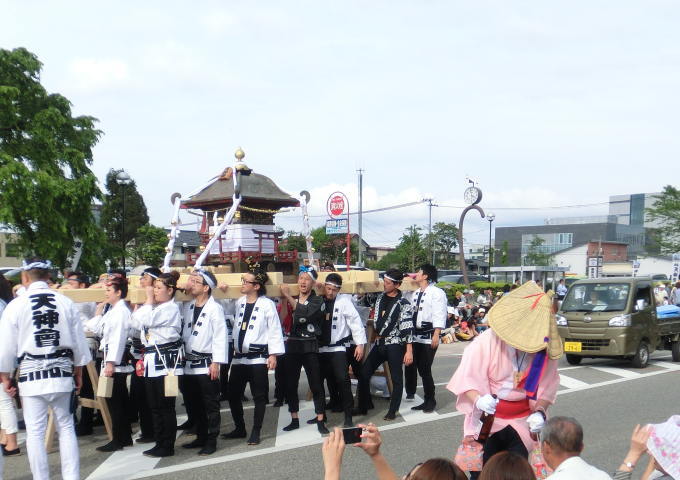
(353,282)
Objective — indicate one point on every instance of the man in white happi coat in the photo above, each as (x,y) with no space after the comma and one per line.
(207,348)
(429,319)
(43,330)
(341,324)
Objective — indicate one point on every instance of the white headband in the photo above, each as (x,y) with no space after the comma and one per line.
(393,279)
(332,284)
(46,265)
(206,278)
(150,274)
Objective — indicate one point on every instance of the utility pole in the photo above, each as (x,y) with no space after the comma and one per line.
(429,228)
(361,195)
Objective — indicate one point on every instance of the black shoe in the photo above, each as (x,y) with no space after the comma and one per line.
(419,407)
(83,431)
(313,420)
(321,426)
(159,452)
(185,426)
(254,437)
(127,444)
(429,407)
(389,416)
(112,446)
(278,403)
(10,453)
(294,425)
(208,449)
(235,433)
(191,431)
(410,398)
(145,440)
(359,411)
(195,444)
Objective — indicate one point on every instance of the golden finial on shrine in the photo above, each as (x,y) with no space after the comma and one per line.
(239,154)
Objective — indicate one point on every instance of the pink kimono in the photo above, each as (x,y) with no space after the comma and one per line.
(488,366)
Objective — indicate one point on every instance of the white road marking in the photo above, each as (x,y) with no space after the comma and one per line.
(669,365)
(568,382)
(425,418)
(125,463)
(619,372)
(413,416)
(306,433)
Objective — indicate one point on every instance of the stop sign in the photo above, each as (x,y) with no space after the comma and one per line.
(337,202)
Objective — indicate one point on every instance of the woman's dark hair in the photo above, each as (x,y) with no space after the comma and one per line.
(170,280)
(261,278)
(438,469)
(120,271)
(507,466)
(5,289)
(119,284)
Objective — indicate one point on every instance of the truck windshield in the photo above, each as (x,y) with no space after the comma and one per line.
(596,297)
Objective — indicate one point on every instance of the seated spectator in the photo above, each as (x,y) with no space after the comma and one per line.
(507,466)
(480,320)
(450,313)
(334,446)
(562,444)
(662,443)
(465,332)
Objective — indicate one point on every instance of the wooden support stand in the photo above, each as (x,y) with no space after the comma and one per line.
(97,403)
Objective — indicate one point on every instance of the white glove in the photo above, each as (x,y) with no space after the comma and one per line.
(487,403)
(536,422)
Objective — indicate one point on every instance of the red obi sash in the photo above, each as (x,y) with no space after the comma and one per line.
(509,410)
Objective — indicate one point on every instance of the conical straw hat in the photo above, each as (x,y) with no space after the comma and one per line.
(524,319)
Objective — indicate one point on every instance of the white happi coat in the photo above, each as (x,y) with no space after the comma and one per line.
(264,335)
(160,325)
(113,328)
(431,312)
(206,340)
(347,325)
(40,324)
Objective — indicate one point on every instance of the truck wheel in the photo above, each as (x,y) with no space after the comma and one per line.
(641,358)
(573,359)
(675,351)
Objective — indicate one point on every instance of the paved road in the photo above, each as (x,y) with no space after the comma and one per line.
(608,397)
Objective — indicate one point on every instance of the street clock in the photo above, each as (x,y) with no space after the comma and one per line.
(473,195)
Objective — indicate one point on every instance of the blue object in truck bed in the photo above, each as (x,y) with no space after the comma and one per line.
(667,311)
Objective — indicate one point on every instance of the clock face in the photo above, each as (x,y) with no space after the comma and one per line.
(473,195)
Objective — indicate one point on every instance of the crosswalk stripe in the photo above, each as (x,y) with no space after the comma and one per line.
(569,382)
(306,433)
(619,372)
(413,415)
(669,365)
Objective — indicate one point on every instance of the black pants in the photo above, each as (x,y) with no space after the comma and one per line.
(423,356)
(280,379)
(503,440)
(224,379)
(119,408)
(394,356)
(258,378)
(334,368)
(294,363)
(139,403)
(203,394)
(162,412)
(190,399)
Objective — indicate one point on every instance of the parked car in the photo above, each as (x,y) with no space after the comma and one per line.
(459,278)
(616,317)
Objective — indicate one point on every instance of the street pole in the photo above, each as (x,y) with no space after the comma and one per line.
(490,217)
(123,179)
(361,194)
(429,228)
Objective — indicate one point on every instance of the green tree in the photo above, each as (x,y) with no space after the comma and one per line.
(46,186)
(330,247)
(119,231)
(535,255)
(504,253)
(409,254)
(293,241)
(666,211)
(444,238)
(149,246)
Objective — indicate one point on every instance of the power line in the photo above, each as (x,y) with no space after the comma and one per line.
(533,208)
(393,207)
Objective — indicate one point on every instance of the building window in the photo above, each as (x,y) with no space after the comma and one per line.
(12,250)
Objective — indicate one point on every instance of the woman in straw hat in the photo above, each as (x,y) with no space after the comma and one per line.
(510,370)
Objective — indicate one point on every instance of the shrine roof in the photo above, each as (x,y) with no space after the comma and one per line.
(255,189)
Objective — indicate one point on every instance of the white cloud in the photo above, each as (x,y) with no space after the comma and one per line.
(92,74)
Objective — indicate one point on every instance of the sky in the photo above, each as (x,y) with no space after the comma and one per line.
(544,104)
